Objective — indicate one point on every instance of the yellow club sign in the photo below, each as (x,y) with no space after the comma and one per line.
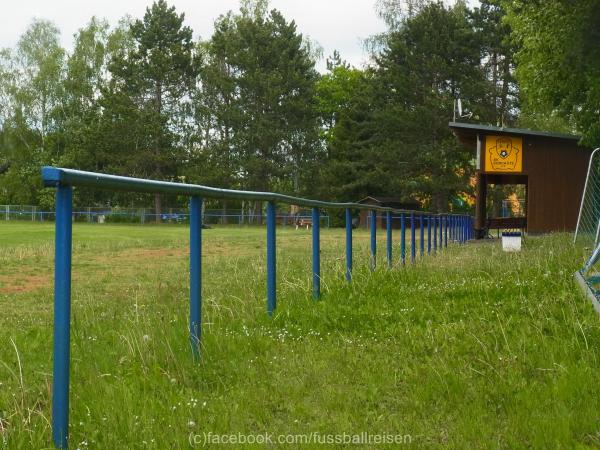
(503,154)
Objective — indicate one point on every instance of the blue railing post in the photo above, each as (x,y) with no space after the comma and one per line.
(348,244)
(457,229)
(446,231)
(271,259)
(62,316)
(470,228)
(422,236)
(389,238)
(428,235)
(435,234)
(403,238)
(373,239)
(436,240)
(441,233)
(413,250)
(195,275)
(316,248)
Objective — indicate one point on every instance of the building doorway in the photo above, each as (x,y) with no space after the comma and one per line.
(505,202)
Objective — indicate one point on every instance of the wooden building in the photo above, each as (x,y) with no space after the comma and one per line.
(388,202)
(552,167)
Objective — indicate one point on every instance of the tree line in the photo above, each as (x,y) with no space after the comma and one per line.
(247,109)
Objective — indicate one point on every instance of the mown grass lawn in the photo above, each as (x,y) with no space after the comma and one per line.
(472,348)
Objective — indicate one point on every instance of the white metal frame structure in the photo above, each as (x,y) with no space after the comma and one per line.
(588,221)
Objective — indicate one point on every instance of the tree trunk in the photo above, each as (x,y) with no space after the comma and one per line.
(440,201)
(258,211)
(157,198)
(224,217)
(497,198)
(157,207)
(505,85)
(495,85)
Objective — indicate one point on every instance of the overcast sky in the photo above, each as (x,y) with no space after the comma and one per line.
(334,24)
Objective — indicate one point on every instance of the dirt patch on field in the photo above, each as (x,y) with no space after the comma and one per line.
(157,253)
(11,284)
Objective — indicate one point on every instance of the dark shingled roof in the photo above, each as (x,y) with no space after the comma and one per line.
(467,133)
(466,127)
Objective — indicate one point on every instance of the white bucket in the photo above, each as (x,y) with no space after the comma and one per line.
(511,241)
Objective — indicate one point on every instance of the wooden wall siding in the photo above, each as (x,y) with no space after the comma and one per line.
(556,170)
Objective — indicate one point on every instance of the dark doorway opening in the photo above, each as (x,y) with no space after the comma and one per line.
(505,200)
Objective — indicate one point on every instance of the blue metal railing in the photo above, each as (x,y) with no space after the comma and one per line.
(458,226)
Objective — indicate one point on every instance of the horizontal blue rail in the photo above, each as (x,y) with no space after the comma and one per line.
(456,227)
(54,177)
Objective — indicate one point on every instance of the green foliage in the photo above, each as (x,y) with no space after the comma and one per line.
(150,84)
(345,106)
(247,109)
(256,113)
(31,113)
(395,12)
(430,62)
(500,104)
(393,118)
(559,63)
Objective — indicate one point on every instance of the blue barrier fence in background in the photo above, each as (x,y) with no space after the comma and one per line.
(457,228)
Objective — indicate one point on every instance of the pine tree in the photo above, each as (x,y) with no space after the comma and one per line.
(430,61)
(256,112)
(157,75)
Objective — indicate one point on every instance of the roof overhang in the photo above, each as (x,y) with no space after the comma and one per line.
(467,133)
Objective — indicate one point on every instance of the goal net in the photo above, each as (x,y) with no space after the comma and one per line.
(588,223)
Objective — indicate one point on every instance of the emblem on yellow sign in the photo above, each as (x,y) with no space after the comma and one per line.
(503,154)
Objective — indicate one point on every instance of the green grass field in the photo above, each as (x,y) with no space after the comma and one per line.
(473,348)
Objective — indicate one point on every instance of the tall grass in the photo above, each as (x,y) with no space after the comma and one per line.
(472,348)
